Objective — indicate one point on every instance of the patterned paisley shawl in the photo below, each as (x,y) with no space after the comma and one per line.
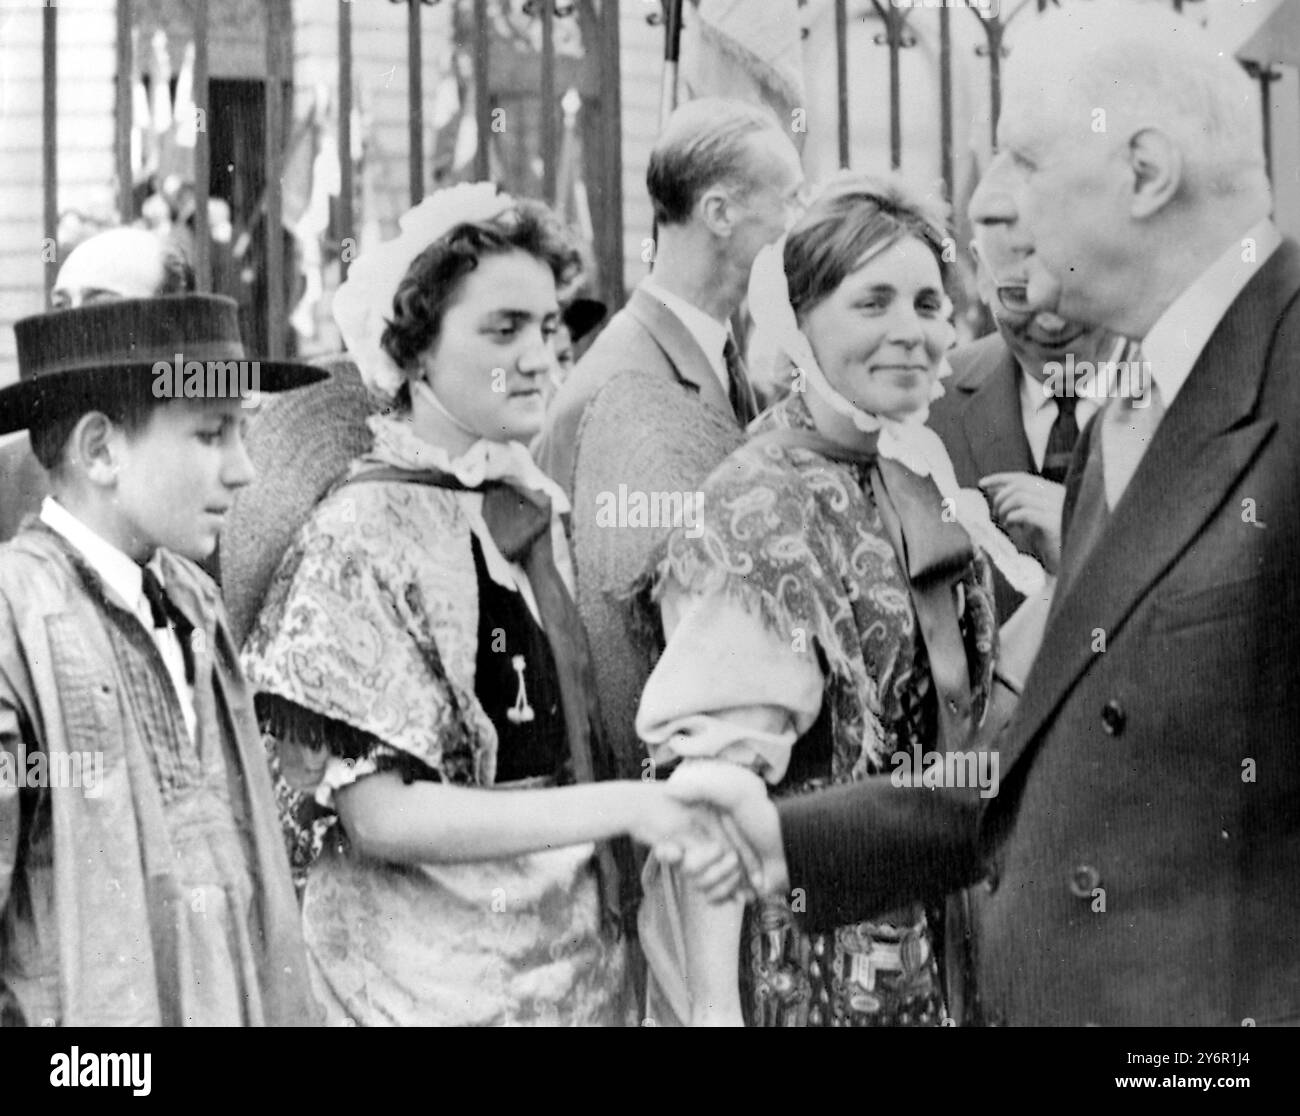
(800,539)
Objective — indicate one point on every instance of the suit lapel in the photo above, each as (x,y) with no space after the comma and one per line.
(1203,444)
(991,419)
(679,346)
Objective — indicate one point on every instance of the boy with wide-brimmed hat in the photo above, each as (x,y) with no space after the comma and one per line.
(143,878)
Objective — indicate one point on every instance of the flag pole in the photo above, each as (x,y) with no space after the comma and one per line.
(672,49)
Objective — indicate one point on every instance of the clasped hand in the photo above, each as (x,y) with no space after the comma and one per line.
(725,836)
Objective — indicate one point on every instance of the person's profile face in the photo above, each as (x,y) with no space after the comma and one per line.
(494,353)
(1065,182)
(1001,267)
(178,475)
(880,335)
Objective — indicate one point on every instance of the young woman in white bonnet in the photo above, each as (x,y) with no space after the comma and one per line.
(420,643)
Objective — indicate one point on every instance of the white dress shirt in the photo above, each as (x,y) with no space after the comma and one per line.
(1038,412)
(121,574)
(709,333)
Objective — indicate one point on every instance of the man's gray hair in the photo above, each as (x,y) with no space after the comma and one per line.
(705,142)
(1146,66)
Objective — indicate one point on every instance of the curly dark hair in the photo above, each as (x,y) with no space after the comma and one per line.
(853,218)
(435,274)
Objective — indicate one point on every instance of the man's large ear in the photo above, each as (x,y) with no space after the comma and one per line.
(1157,167)
(715,210)
(95,448)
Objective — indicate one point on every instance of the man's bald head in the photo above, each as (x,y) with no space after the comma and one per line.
(1106,71)
(120,263)
(1130,145)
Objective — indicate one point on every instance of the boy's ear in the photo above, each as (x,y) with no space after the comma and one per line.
(96,447)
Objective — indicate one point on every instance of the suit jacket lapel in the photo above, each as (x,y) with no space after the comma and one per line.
(991,419)
(679,346)
(1202,446)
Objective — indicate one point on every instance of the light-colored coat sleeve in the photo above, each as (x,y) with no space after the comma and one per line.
(727,686)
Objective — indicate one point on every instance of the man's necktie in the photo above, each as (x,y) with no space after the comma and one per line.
(744,404)
(1127,426)
(1060,440)
(167,615)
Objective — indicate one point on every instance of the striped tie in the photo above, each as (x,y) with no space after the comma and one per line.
(743,401)
(1127,426)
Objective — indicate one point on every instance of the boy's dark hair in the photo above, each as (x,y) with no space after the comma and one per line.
(436,273)
(127,402)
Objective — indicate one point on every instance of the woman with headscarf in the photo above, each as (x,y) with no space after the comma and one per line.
(831,614)
(419,657)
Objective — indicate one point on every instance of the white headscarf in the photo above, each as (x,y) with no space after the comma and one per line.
(906,440)
(365,300)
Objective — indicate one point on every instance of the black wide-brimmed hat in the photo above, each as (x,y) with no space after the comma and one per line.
(63,352)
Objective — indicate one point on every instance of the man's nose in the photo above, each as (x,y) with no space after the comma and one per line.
(995,196)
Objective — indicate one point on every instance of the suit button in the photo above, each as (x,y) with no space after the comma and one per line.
(1113,718)
(1083,880)
(991,878)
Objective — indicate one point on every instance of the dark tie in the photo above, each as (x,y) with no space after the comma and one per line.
(744,404)
(1060,440)
(167,615)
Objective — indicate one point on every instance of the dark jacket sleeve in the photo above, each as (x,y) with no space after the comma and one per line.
(864,849)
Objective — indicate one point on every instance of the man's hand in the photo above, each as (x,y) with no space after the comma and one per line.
(1029,509)
(746,815)
(694,837)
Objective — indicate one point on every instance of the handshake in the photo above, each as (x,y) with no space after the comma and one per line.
(714,822)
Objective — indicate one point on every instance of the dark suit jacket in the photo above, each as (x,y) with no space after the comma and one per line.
(980,422)
(1141,858)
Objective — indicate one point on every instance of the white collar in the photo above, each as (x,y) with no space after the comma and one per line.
(1174,344)
(397,443)
(709,333)
(118,571)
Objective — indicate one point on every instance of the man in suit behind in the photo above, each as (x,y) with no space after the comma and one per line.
(1009,425)
(1139,861)
(724,179)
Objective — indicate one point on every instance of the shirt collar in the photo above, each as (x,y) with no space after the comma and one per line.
(117,570)
(709,332)
(1174,344)
(1034,394)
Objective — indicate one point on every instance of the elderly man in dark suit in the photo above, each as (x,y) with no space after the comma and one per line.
(1139,863)
(117,263)
(1008,423)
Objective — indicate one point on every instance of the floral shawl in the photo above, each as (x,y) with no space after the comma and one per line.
(798,538)
(372,619)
